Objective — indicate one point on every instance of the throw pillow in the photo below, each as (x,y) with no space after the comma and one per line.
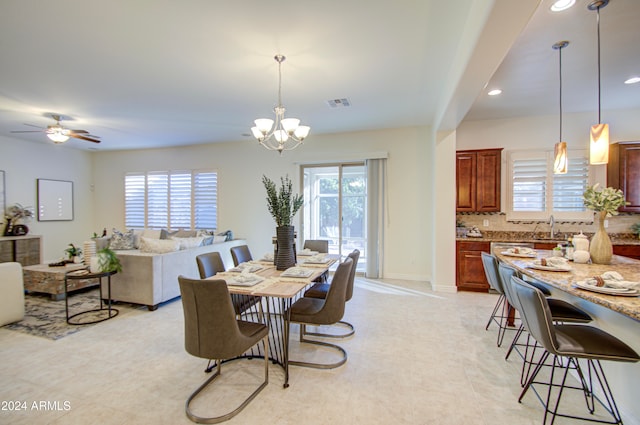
(158,246)
(152,233)
(165,234)
(186,243)
(182,233)
(121,240)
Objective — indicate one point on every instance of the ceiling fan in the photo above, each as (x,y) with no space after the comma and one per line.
(60,134)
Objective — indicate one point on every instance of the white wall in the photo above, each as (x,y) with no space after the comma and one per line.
(23,162)
(241,198)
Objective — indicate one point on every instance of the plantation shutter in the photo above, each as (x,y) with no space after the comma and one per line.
(135,194)
(157,200)
(180,200)
(529,184)
(205,194)
(568,188)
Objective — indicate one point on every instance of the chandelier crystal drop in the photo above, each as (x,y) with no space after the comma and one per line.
(283,134)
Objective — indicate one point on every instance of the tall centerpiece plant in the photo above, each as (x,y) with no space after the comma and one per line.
(605,202)
(283,205)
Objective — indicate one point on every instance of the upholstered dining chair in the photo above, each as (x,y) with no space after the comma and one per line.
(240,254)
(501,310)
(561,312)
(210,264)
(567,344)
(316,311)
(212,331)
(11,293)
(320,245)
(320,290)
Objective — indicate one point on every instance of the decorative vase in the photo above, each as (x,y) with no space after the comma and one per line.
(94,264)
(8,229)
(601,249)
(285,255)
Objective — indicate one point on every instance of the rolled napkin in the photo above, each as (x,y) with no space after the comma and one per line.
(267,257)
(612,279)
(560,262)
(307,251)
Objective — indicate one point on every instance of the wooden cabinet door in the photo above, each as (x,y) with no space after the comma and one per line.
(623,172)
(488,181)
(27,251)
(470,275)
(6,251)
(466,181)
(631,251)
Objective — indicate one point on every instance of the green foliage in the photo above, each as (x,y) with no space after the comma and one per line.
(607,199)
(108,261)
(635,228)
(73,251)
(282,203)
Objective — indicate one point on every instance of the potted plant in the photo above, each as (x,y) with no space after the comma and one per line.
(104,261)
(283,204)
(73,253)
(606,203)
(13,216)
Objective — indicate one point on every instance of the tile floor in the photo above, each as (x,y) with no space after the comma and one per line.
(418,357)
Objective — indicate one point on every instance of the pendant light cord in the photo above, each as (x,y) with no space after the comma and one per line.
(560,72)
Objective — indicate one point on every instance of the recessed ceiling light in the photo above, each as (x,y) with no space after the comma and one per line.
(633,80)
(560,5)
(494,92)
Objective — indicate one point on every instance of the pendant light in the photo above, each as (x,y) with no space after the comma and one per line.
(599,144)
(560,162)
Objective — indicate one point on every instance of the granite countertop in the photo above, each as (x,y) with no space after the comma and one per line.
(627,267)
(501,236)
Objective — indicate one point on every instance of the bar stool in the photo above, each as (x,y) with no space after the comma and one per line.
(570,343)
(498,315)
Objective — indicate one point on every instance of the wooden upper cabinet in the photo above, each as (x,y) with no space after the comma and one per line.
(478,180)
(623,172)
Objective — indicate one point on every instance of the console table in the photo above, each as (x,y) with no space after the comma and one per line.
(21,249)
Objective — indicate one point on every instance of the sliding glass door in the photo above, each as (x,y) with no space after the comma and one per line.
(335,207)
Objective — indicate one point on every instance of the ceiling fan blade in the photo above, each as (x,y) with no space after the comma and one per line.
(79,131)
(28,131)
(79,136)
(32,125)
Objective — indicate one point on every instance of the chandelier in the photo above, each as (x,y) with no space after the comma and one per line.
(283,134)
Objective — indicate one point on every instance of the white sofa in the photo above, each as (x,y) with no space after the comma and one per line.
(151,279)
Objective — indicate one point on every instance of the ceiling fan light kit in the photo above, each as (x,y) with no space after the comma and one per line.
(283,134)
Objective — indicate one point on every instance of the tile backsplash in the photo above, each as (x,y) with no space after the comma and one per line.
(497,222)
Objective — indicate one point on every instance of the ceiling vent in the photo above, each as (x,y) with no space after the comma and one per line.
(339,103)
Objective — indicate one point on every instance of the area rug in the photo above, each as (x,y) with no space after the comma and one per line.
(46,318)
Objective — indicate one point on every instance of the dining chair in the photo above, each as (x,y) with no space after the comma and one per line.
(210,264)
(561,312)
(567,343)
(316,311)
(240,254)
(319,245)
(320,290)
(212,331)
(501,310)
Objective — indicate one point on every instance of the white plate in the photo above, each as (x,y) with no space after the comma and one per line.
(549,268)
(513,254)
(297,272)
(243,280)
(609,291)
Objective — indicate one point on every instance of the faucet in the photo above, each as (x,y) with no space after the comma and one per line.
(552,222)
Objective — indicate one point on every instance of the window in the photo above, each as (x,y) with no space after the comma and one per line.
(536,193)
(171,200)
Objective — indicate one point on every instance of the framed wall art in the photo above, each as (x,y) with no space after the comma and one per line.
(55,200)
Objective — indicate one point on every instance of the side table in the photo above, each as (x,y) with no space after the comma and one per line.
(85,274)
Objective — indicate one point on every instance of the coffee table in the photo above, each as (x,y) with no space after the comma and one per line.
(50,280)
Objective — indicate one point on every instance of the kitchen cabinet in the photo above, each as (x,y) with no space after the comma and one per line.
(623,172)
(478,180)
(22,249)
(631,251)
(470,274)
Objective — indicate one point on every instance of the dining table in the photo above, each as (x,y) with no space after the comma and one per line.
(276,291)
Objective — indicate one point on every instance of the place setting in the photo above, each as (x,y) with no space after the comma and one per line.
(239,279)
(551,264)
(610,283)
(520,251)
(248,267)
